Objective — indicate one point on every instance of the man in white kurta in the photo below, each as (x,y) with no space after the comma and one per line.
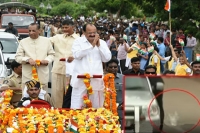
(89,52)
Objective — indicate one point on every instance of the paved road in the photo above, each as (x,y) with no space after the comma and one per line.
(187,107)
(181,109)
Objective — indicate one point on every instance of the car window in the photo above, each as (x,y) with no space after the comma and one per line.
(136,83)
(9,45)
(17,21)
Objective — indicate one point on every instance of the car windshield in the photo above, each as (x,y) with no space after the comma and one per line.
(136,83)
(18,21)
(9,45)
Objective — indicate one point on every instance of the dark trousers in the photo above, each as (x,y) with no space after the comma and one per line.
(162,67)
(67,98)
(122,65)
(45,34)
(159,100)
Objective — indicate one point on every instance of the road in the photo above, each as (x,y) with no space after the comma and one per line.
(187,107)
(180,108)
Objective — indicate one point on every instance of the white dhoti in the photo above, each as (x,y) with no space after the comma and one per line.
(97,98)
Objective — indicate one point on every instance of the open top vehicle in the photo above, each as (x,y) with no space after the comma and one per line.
(20,14)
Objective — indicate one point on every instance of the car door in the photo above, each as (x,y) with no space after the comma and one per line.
(3,69)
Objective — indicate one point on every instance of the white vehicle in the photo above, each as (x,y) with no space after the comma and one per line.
(138,96)
(3,68)
(9,43)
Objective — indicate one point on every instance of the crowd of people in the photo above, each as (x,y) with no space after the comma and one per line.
(96,47)
(152,39)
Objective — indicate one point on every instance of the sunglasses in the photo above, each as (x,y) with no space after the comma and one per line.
(150,72)
(112,66)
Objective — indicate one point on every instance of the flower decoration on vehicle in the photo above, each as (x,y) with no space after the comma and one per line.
(86,99)
(110,93)
(43,120)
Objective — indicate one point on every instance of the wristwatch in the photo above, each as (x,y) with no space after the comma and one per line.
(27,60)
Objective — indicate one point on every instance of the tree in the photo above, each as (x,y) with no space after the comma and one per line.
(184,13)
(119,7)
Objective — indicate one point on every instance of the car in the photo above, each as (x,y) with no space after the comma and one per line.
(20,21)
(3,68)
(9,43)
(138,96)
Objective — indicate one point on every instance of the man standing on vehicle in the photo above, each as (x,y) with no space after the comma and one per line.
(89,52)
(62,44)
(11,29)
(35,48)
(150,71)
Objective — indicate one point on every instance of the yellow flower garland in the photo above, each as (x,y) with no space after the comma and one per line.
(86,99)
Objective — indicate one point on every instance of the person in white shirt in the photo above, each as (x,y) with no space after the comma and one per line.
(89,52)
(191,41)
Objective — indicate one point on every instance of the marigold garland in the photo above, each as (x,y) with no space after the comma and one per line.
(110,93)
(38,62)
(34,73)
(86,99)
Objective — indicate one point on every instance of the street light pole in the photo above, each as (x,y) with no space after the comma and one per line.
(48,8)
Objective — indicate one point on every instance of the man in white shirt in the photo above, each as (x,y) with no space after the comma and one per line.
(89,52)
(191,41)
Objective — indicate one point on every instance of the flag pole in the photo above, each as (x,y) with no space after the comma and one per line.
(170,26)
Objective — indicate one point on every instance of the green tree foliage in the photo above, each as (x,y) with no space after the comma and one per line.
(119,7)
(183,13)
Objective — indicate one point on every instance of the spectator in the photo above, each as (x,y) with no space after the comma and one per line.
(161,48)
(135,63)
(122,53)
(11,29)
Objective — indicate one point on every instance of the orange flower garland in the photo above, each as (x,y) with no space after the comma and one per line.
(5,107)
(34,73)
(86,100)
(110,93)
(38,62)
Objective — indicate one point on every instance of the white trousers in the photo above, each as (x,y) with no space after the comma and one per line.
(97,98)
